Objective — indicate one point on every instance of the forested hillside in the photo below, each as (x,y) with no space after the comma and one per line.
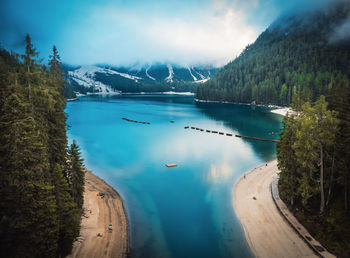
(41,178)
(299,53)
(314,159)
(135,79)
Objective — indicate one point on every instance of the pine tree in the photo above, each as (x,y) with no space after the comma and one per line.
(340,101)
(29,222)
(38,215)
(56,117)
(67,212)
(76,174)
(30,54)
(287,160)
(318,128)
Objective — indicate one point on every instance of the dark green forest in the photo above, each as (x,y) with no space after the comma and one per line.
(295,55)
(298,62)
(314,160)
(41,177)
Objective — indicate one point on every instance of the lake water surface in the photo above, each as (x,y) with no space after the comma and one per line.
(184,211)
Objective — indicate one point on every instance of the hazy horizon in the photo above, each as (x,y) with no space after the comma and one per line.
(126,33)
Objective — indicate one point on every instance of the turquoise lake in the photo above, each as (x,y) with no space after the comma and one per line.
(183,211)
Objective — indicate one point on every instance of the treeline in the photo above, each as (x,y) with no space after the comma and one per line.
(293,52)
(41,178)
(314,160)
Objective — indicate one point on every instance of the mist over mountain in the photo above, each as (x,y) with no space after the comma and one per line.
(104,79)
(305,49)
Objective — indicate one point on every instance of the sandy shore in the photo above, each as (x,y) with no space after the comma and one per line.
(283,111)
(98,214)
(267,233)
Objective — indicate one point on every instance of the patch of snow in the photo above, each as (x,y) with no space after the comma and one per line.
(200,75)
(202,81)
(90,71)
(194,77)
(149,76)
(85,76)
(171,74)
(178,93)
(78,94)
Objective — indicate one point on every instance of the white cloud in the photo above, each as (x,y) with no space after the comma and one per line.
(215,34)
(216,39)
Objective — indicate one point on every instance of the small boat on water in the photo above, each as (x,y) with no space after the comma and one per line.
(214,131)
(228,134)
(186,127)
(171,165)
(237,135)
(275,140)
(192,127)
(208,131)
(201,130)
(172,121)
(221,133)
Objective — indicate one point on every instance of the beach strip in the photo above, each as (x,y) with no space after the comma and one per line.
(267,232)
(102,207)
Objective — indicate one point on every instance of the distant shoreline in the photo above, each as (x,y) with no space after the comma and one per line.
(239,103)
(279,110)
(185,93)
(102,206)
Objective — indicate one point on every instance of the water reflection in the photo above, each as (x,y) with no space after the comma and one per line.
(174,212)
(240,119)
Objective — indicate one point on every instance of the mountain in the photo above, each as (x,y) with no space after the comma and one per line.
(300,53)
(138,78)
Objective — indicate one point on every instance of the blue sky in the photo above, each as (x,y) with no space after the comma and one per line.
(125,32)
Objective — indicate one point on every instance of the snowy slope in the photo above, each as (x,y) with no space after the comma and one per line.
(85,76)
(147,78)
(171,74)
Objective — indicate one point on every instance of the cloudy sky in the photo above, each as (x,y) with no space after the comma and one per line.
(124,32)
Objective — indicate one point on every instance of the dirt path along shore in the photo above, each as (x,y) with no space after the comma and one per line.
(267,233)
(102,206)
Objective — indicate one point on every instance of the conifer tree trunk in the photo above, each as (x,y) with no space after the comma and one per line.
(321,181)
(331,182)
(346,195)
(292,183)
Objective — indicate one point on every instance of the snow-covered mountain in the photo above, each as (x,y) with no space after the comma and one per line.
(150,78)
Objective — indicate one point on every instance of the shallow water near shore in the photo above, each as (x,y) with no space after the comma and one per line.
(183,211)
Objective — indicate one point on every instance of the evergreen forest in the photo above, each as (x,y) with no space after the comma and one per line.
(41,177)
(297,54)
(314,160)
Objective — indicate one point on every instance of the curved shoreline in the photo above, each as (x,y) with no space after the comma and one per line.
(102,206)
(266,231)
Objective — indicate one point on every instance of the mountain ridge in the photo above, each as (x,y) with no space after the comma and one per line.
(106,79)
(296,54)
